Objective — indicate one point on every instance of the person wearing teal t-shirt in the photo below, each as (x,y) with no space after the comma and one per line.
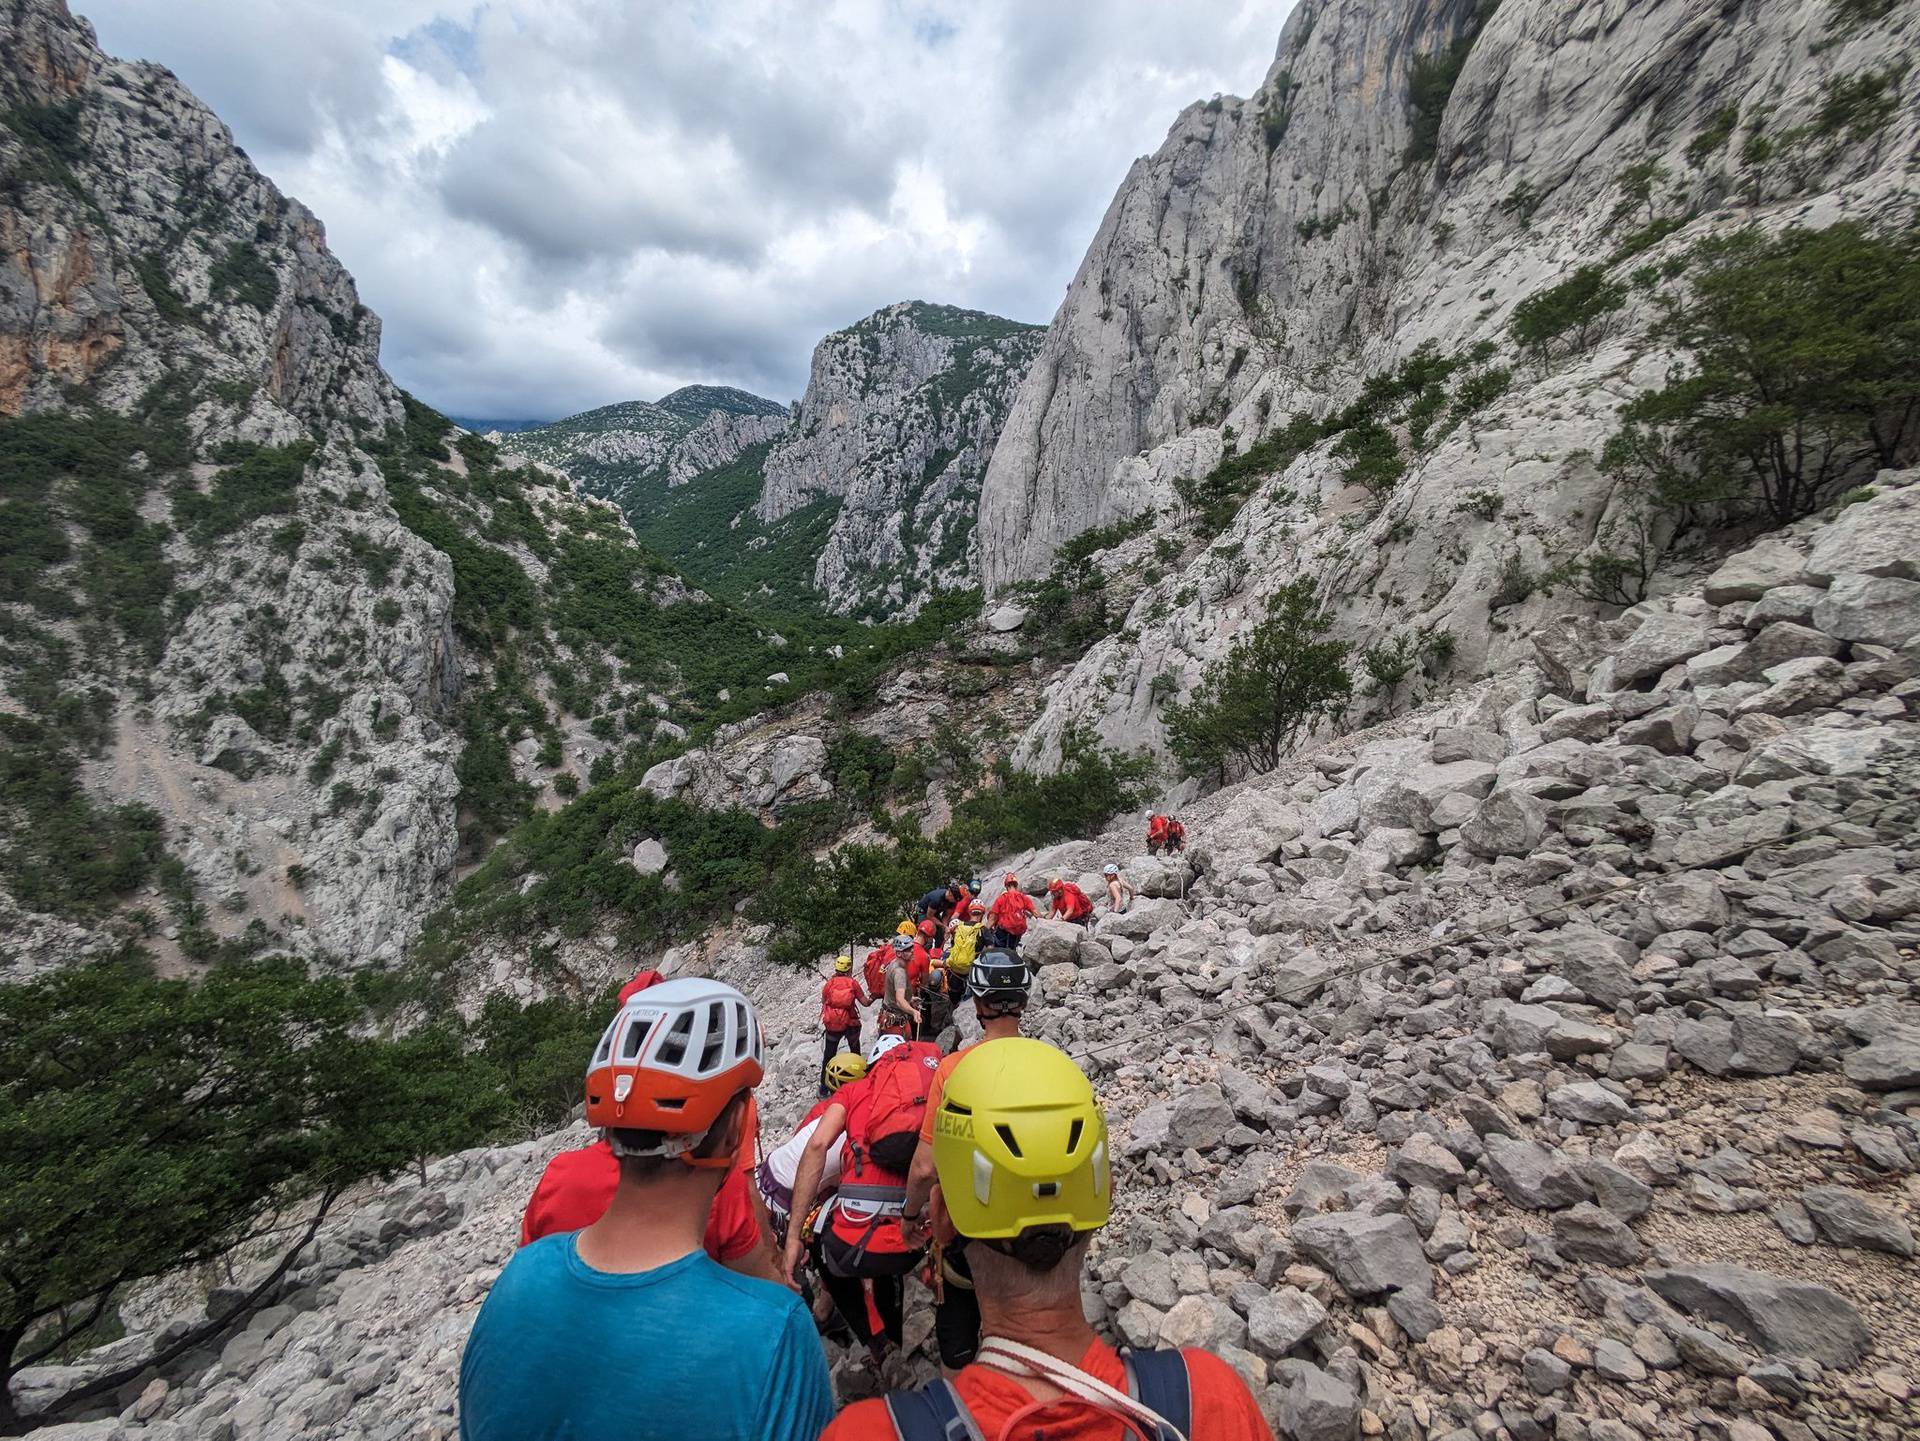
(626,1330)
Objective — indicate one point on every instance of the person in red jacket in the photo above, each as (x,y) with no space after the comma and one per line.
(578,1185)
(1067,902)
(1009,914)
(839,1016)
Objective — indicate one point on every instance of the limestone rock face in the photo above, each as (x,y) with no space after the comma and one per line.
(900,415)
(1278,251)
(622,451)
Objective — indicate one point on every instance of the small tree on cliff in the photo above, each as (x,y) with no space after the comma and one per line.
(1280,678)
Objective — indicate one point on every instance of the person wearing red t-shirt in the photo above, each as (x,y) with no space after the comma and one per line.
(1009,914)
(578,1185)
(1067,902)
(1020,1148)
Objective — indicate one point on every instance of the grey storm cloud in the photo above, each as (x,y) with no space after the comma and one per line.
(554,204)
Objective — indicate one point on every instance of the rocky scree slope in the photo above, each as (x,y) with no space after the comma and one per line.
(627,452)
(1405,176)
(272,643)
(1541,1064)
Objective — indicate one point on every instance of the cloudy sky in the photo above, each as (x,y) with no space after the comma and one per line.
(554,204)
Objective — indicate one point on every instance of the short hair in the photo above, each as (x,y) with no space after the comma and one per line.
(721,1136)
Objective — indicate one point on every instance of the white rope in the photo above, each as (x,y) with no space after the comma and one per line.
(1018,1359)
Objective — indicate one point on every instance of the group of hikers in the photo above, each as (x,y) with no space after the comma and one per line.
(659,1289)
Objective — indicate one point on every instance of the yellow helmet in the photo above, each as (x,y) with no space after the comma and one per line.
(906,928)
(843,966)
(1020,1142)
(844,1067)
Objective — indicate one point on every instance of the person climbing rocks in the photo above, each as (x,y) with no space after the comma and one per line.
(961,951)
(1120,894)
(775,1174)
(578,1185)
(938,904)
(1020,1149)
(1067,902)
(627,1328)
(1165,833)
(899,1011)
(1009,914)
(999,985)
(839,1016)
(855,1241)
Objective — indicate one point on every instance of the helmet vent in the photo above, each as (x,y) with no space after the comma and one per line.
(1073,1135)
(673,1050)
(1005,1133)
(1045,1190)
(958,1109)
(635,1038)
(716,1043)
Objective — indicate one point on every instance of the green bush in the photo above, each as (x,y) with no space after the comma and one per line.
(1858,106)
(255,481)
(1570,317)
(1278,678)
(66,854)
(1804,373)
(244,274)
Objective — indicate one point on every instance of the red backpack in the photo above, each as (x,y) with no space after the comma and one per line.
(888,1128)
(874,970)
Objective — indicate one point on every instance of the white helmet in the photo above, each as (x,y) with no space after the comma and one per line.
(672,1059)
(882,1044)
(1111,871)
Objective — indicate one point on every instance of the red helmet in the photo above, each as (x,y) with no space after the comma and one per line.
(1010,879)
(976,908)
(672,1060)
(1056,885)
(926,927)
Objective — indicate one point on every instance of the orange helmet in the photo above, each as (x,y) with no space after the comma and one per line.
(975,908)
(1010,879)
(671,1061)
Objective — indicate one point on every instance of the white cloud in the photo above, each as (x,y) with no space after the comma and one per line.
(557,203)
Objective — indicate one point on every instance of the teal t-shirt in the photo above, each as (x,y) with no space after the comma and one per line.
(561,1350)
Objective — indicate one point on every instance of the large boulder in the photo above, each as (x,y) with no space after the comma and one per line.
(1751,573)
(1298,978)
(1049,943)
(1891,1063)
(1663,640)
(1783,1317)
(1140,920)
(1880,537)
(649,857)
(1367,1255)
(1507,823)
(1533,1177)
(1847,1218)
(1878,609)
(1599,964)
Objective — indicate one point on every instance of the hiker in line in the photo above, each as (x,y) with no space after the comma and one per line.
(775,1174)
(855,1240)
(627,1329)
(577,1186)
(1009,914)
(1119,893)
(899,1011)
(1067,902)
(961,951)
(839,1016)
(938,904)
(1020,1149)
(999,985)
(1165,833)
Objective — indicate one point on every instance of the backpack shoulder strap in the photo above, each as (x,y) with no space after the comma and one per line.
(932,1413)
(1158,1379)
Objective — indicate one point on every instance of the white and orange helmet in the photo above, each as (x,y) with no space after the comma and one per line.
(671,1060)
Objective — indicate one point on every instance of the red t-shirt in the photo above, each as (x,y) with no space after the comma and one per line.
(577,1187)
(1010,910)
(1072,903)
(1223,1408)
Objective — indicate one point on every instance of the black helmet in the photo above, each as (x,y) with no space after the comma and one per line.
(999,978)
